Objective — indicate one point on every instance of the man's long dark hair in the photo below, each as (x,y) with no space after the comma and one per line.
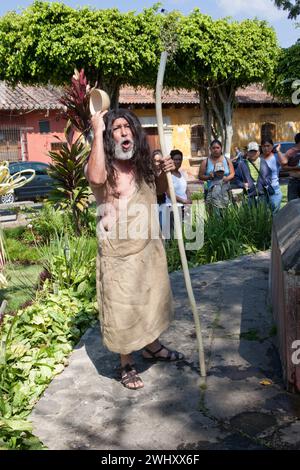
(142,161)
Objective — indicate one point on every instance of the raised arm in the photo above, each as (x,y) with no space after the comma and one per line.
(95,170)
(283,158)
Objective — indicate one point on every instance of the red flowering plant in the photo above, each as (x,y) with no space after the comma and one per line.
(76,101)
(72,190)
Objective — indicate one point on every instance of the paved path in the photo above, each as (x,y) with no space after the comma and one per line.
(86,407)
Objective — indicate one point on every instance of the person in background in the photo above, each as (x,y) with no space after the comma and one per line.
(182,194)
(247,172)
(161,198)
(273,194)
(238,155)
(217,171)
(291,162)
(179,180)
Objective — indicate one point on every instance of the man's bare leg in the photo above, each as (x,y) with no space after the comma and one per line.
(126,359)
(130,378)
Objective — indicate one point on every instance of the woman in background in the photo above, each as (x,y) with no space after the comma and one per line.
(273,194)
(182,194)
(217,171)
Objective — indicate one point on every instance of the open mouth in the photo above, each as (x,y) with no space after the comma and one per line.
(126,145)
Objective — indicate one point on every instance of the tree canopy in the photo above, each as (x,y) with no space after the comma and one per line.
(287,73)
(292,7)
(46,42)
(218,57)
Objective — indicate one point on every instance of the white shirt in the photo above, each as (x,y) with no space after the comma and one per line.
(180,187)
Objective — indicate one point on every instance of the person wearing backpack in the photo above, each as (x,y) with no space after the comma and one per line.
(217,171)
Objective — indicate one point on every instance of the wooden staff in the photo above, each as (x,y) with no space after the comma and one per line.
(178,227)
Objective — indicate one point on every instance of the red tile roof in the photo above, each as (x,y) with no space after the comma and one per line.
(254,94)
(29,97)
(141,95)
(33,97)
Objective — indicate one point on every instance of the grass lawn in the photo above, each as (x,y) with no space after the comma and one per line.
(284,194)
(22,281)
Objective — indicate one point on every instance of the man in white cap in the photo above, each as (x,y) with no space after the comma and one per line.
(253,160)
(248,171)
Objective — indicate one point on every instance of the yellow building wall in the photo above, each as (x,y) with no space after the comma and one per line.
(247,124)
(181,120)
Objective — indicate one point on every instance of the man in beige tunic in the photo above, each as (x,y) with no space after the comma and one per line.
(133,288)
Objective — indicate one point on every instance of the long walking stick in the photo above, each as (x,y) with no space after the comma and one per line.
(178,227)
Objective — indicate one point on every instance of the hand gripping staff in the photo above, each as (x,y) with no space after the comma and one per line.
(178,227)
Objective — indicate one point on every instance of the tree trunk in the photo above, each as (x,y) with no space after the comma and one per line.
(228,128)
(218,117)
(216,103)
(226,95)
(113,91)
(114,97)
(229,134)
(207,116)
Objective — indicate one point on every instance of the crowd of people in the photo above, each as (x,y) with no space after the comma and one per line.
(255,171)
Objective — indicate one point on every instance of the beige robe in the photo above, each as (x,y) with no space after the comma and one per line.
(133,287)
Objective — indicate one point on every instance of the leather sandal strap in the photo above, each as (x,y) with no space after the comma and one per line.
(153,353)
(134,378)
(170,354)
(130,376)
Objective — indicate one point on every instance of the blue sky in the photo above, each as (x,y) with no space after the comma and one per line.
(238,9)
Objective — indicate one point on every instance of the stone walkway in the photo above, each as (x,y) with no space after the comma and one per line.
(86,407)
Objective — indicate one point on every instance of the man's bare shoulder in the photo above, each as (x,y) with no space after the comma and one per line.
(292,151)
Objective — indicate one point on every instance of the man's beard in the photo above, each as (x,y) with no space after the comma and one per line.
(121,154)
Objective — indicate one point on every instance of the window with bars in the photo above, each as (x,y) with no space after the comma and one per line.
(197,140)
(10,143)
(268,131)
(56,146)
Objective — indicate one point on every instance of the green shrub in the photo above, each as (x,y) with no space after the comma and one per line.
(18,252)
(236,231)
(72,189)
(16,232)
(70,261)
(35,344)
(197,196)
(22,285)
(49,222)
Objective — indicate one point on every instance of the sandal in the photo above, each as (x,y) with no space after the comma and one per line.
(130,376)
(172,356)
